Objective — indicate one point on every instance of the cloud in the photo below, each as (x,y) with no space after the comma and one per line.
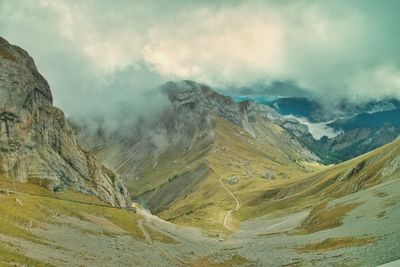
(333,49)
(59,37)
(381,80)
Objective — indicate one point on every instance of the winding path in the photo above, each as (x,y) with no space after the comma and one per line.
(236,208)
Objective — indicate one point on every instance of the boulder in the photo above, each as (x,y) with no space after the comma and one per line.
(233,180)
(269,175)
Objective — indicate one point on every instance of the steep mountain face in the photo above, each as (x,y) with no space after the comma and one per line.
(170,162)
(37,144)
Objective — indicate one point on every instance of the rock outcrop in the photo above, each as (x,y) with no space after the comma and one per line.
(36,142)
(202,99)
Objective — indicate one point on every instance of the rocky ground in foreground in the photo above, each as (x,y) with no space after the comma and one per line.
(358,229)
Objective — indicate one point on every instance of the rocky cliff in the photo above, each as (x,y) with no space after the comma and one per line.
(37,144)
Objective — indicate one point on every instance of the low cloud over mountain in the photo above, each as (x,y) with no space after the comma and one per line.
(117,51)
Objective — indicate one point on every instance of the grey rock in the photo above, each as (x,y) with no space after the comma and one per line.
(269,175)
(233,180)
(37,143)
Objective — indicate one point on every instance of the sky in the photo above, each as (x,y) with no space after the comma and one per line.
(103,56)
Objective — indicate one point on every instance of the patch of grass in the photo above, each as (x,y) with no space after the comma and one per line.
(34,189)
(171,164)
(381,214)
(322,218)
(235,260)
(10,257)
(15,220)
(40,207)
(330,183)
(126,220)
(391,202)
(335,243)
(206,216)
(158,236)
(380,194)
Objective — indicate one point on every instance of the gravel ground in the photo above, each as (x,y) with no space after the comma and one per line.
(263,241)
(363,221)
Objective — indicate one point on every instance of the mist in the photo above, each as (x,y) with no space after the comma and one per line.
(106,60)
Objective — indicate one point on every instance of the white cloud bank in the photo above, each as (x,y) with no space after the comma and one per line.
(334,48)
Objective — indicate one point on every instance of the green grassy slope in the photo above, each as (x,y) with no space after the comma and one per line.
(34,207)
(237,154)
(357,174)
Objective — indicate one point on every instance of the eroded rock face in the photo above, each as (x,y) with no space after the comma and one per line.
(36,142)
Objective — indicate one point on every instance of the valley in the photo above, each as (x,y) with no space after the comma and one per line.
(356,225)
(202,139)
(206,181)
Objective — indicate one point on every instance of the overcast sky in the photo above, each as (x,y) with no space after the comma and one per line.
(109,52)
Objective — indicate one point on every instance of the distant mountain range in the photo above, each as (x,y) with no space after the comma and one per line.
(359,127)
(317,111)
(369,120)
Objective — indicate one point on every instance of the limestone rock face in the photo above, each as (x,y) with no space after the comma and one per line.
(36,142)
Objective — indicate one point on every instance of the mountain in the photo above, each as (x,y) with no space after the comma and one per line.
(347,144)
(37,143)
(348,212)
(320,110)
(359,134)
(357,141)
(355,129)
(374,120)
(227,179)
(341,211)
(372,106)
(173,164)
(300,107)
(368,170)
